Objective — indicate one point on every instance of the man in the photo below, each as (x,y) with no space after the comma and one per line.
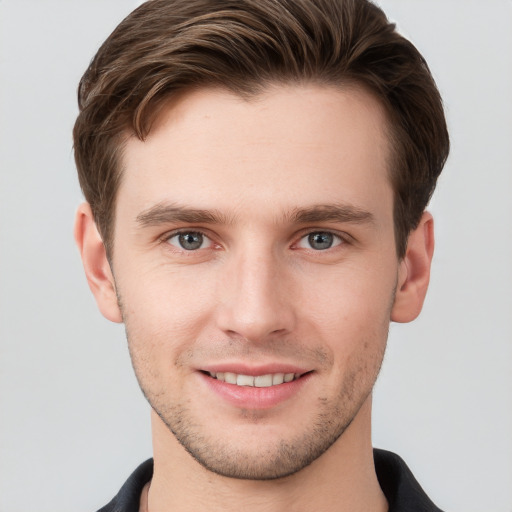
(256,176)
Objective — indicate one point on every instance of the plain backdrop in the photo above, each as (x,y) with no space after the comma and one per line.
(73,423)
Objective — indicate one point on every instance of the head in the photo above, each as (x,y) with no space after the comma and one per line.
(258,173)
(166,47)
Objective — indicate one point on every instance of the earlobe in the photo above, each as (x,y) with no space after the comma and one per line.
(414,272)
(96,265)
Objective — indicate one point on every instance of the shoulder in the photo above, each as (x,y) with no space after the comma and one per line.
(128,497)
(401,489)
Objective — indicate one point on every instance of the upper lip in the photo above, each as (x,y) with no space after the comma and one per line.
(254,370)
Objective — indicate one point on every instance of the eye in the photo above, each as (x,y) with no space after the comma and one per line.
(319,241)
(190,240)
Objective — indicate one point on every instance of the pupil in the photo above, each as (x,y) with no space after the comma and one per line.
(320,240)
(191,241)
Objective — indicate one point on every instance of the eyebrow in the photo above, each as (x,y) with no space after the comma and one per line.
(331,213)
(164,213)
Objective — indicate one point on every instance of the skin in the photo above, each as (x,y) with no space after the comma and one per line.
(255,179)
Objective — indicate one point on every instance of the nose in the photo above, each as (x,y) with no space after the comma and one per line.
(256,297)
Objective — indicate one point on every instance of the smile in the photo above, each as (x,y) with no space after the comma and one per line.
(258,381)
(256,388)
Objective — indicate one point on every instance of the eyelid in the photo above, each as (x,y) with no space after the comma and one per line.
(344,237)
(337,240)
(165,238)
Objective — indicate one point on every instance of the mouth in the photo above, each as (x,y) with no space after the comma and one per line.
(256,388)
(258,381)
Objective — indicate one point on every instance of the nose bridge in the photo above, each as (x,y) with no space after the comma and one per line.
(255,296)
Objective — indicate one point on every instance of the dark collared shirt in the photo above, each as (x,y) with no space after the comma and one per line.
(403,492)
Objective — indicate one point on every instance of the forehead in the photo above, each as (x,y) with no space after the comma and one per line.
(290,144)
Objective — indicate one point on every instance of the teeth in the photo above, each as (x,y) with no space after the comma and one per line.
(230,378)
(244,380)
(260,381)
(263,381)
(277,378)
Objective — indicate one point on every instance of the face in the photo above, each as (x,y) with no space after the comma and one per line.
(255,266)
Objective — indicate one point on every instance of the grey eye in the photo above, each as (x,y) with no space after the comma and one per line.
(320,240)
(188,240)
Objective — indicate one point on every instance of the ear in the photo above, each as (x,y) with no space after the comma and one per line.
(96,265)
(414,272)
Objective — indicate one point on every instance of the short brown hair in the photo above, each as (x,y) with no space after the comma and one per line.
(166,46)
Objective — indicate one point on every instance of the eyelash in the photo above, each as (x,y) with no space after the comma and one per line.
(169,236)
(339,239)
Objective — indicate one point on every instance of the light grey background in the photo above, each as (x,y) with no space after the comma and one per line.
(73,423)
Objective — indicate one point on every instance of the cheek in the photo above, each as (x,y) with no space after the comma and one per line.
(356,300)
(351,313)
(161,299)
(163,316)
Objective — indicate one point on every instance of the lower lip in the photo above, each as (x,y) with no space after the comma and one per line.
(248,397)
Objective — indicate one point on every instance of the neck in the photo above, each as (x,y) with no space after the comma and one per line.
(343,479)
